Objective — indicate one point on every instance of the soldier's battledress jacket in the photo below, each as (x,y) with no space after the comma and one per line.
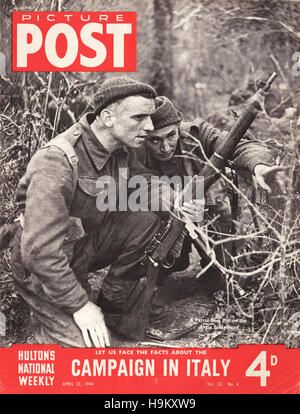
(45,196)
(198,140)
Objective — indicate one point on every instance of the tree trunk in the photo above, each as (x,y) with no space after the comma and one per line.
(162,69)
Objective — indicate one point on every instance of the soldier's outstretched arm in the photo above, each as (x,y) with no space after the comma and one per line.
(270,179)
(247,154)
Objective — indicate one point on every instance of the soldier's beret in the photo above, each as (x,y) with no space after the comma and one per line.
(120,87)
(165,113)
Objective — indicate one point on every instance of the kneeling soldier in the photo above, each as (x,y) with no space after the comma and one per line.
(63,236)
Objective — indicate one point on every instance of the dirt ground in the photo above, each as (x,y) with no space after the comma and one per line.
(195,316)
(186,299)
(190,306)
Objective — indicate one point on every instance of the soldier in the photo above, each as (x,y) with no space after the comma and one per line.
(179,148)
(63,236)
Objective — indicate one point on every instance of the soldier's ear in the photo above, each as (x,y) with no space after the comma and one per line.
(107,117)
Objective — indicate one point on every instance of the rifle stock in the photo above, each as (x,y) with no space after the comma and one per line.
(133,324)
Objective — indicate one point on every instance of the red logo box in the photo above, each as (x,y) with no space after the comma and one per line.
(74,41)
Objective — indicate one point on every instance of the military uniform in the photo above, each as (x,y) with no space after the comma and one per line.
(54,251)
(197,142)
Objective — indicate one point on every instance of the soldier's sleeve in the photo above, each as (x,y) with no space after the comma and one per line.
(46,218)
(247,154)
(160,195)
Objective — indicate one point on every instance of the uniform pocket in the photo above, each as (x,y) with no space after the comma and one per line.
(86,188)
(85,202)
(89,186)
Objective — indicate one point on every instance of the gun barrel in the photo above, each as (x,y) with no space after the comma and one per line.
(270,81)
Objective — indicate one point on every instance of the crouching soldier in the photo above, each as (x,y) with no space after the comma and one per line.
(63,236)
(177,148)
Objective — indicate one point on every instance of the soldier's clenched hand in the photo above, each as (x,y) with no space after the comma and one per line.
(92,325)
(194,209)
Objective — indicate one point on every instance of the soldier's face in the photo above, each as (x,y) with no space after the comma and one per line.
(132,122)
(162,142)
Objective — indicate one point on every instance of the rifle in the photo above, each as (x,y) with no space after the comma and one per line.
(133,324)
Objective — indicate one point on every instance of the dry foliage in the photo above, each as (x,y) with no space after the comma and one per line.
(202,53)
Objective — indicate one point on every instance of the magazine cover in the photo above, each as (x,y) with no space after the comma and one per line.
(149,216)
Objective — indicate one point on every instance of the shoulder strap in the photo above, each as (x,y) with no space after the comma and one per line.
(68,148)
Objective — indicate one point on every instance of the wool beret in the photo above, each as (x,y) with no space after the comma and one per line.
(165,113)
(120,87)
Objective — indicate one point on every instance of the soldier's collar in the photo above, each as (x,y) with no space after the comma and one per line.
(96,150)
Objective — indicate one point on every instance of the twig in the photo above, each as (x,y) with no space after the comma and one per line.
(279,68)
(188,17)
(157,344)
(65,106)
(270,324)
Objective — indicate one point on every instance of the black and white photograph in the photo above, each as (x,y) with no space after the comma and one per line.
(156,207)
